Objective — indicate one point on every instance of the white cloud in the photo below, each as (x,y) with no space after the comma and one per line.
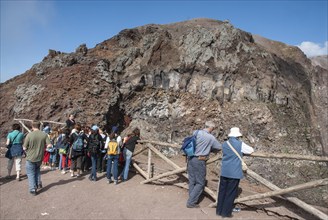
(313,49)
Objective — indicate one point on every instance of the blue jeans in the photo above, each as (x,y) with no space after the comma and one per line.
(94,167)
(60,161)
(197,178)
(53,157)
(111,158)
(127,156)
(33,174)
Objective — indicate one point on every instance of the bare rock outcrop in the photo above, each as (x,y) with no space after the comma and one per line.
(169,79)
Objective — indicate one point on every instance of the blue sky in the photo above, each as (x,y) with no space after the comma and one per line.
(30,28)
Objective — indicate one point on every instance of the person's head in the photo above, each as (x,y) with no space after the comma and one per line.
(210,126)
(77,128)
(234,132)
(112,136)
(66,131)
(36,125)
(71,116)
(46,129)
(115,129)
(16,126)
(94,129)
(86,129)
(136,132)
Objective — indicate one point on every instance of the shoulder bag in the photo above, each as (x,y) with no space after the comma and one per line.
(243,164)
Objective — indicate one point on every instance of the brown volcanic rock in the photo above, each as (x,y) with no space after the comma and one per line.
(321,61)
(170,78)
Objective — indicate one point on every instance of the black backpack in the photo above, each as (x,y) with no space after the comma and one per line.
(94,144)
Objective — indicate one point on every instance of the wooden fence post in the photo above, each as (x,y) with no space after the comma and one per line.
(149,164)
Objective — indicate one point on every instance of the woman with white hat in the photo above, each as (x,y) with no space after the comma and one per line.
(231,172)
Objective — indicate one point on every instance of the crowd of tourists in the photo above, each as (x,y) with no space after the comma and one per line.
(79,149)
(74,149)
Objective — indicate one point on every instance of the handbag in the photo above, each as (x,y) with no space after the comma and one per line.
(62,150)
(8,154)
(243,164)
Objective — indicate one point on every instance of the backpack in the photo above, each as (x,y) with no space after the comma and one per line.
(78,143)
(112,147)
(93,144)
(189,145)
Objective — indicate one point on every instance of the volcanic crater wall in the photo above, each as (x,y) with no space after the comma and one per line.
(170,79)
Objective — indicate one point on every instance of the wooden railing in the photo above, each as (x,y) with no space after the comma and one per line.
(147,144)
(276,191)
(22,121)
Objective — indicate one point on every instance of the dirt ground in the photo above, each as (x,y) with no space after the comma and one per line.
(64,197)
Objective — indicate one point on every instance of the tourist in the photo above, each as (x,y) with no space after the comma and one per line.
(63,148)
(34,146)
(231,172)
(113,147)
(101,162)
(94,145)
(86,160)
(46,155)
(70,122)
(196,167)
(14,144)
(129,147)
(53,150)
(77,140)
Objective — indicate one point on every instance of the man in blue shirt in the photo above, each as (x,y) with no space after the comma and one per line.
(205,142)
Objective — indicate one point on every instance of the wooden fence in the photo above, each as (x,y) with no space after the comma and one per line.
(276,191)
(24,127)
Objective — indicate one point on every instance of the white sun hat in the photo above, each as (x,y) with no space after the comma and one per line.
(234,132)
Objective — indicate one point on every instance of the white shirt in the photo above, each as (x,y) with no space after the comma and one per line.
(118,139)
(245,149)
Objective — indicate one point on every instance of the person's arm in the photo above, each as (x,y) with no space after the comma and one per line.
(48,142)
(72,138)
(107,142)
(216,146)
(8,140)
(119,141)
(26,142)
(245,149)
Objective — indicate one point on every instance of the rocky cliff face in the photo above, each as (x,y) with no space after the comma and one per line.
(170,79)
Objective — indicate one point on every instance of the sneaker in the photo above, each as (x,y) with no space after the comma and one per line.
(236,209)
(72,175)
(193,206)
(39,186)
(63,172)
(115,182)
(78,175)
(33,192)
(109,181)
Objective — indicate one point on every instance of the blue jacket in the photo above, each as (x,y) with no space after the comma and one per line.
(231,164)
